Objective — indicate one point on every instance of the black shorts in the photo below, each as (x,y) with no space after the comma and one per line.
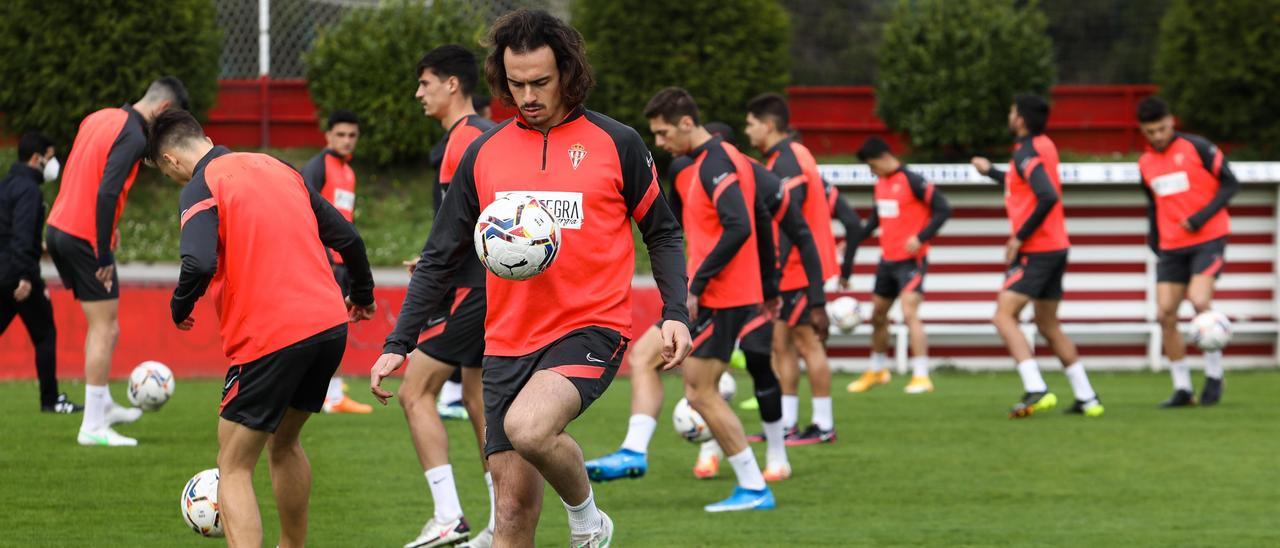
(894,278)
(344,281)
(455,333)
(77,264)
(759,336)
(716,331)
(1037,275)
(257,393)
(588,357)
(795,307)
(1178,265)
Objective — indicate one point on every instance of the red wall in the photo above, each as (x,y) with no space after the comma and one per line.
(833,120)
(146,333)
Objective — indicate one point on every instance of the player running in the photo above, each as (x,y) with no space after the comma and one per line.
(797,332)
(551,349)
(772,207)
(82,236)
(725,288)
(329,174)
(909,211)
(1036,255)
(454,338)
(254,233)
(1188,184)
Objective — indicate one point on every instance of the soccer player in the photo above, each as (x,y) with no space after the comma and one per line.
(551,349)
(909,211)
(1036,259)
(1188,184)
(82,234)
(725,286)
(454,339)
(254,233)
(22,291)
(796,332)
(329,174)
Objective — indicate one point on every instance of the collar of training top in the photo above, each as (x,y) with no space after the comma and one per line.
(209,156)
(573,115)
(24,170)
(785,142)
(134,116)
(714,141)
(1176,135)
(334,153)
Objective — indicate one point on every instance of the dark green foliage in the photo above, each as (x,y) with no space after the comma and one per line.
(949,70)
(724,53)
(1219,66)
(65,59)
(365,63)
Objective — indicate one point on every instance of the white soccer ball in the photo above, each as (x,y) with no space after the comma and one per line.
(689,423)
(728,386)
(516,237)
(1211,331)
(844,314)
(200,504)
(150,385)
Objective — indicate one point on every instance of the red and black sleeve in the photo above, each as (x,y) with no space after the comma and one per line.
(126,151)
(313,173)
(340,235)
(1228,186)
(939,208)
(719,180)
(1032,170)
(198,246)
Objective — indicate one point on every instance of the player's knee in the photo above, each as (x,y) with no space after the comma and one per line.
(880,319)
(1200,303)
(281,447)
(524,433)
(1167,316)
(699,396)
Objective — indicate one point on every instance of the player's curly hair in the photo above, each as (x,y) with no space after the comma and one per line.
(523,31)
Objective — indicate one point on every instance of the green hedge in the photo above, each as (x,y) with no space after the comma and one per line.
(1218,63)
(949,70)
(365,63)
(64,59)
(724,53)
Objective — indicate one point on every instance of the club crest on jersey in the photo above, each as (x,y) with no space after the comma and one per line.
(577,153)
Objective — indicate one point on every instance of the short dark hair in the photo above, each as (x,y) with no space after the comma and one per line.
(172,128)
(873,147)
(32,143)
(523,31)
(341,116)
(720,129)
(672,104)
(169,88)
(481,102)
(452,60)
(1034,111)
(771,106)
(1151,109)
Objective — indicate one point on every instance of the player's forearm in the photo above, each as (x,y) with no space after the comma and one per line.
(1228,187)
(940,212)
(666,258)
(104,225)
(798,231)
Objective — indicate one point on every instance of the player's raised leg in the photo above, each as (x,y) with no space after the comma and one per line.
(630,460)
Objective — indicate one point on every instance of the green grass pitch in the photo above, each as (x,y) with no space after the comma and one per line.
(944,469)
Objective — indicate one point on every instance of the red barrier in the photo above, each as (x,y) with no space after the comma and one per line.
(146,333)
(836,119)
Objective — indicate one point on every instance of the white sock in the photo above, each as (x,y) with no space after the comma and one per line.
(1029,370)
(97,401)
(335,389)
(493,510)
(775,438)
(710,447)
(920,366)
(444,493)
(822,413)
(1213,364)
(1181,374)
(1079,380)
(584,518)
(878,360)
(748,472)
(790,411)
(451,392)
(639,432)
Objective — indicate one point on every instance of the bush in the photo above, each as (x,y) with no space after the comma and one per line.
(949,70)
(724,53)
(365,63)
(1217,64)
(63,60)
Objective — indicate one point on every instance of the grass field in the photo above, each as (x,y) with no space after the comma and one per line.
(946,469)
